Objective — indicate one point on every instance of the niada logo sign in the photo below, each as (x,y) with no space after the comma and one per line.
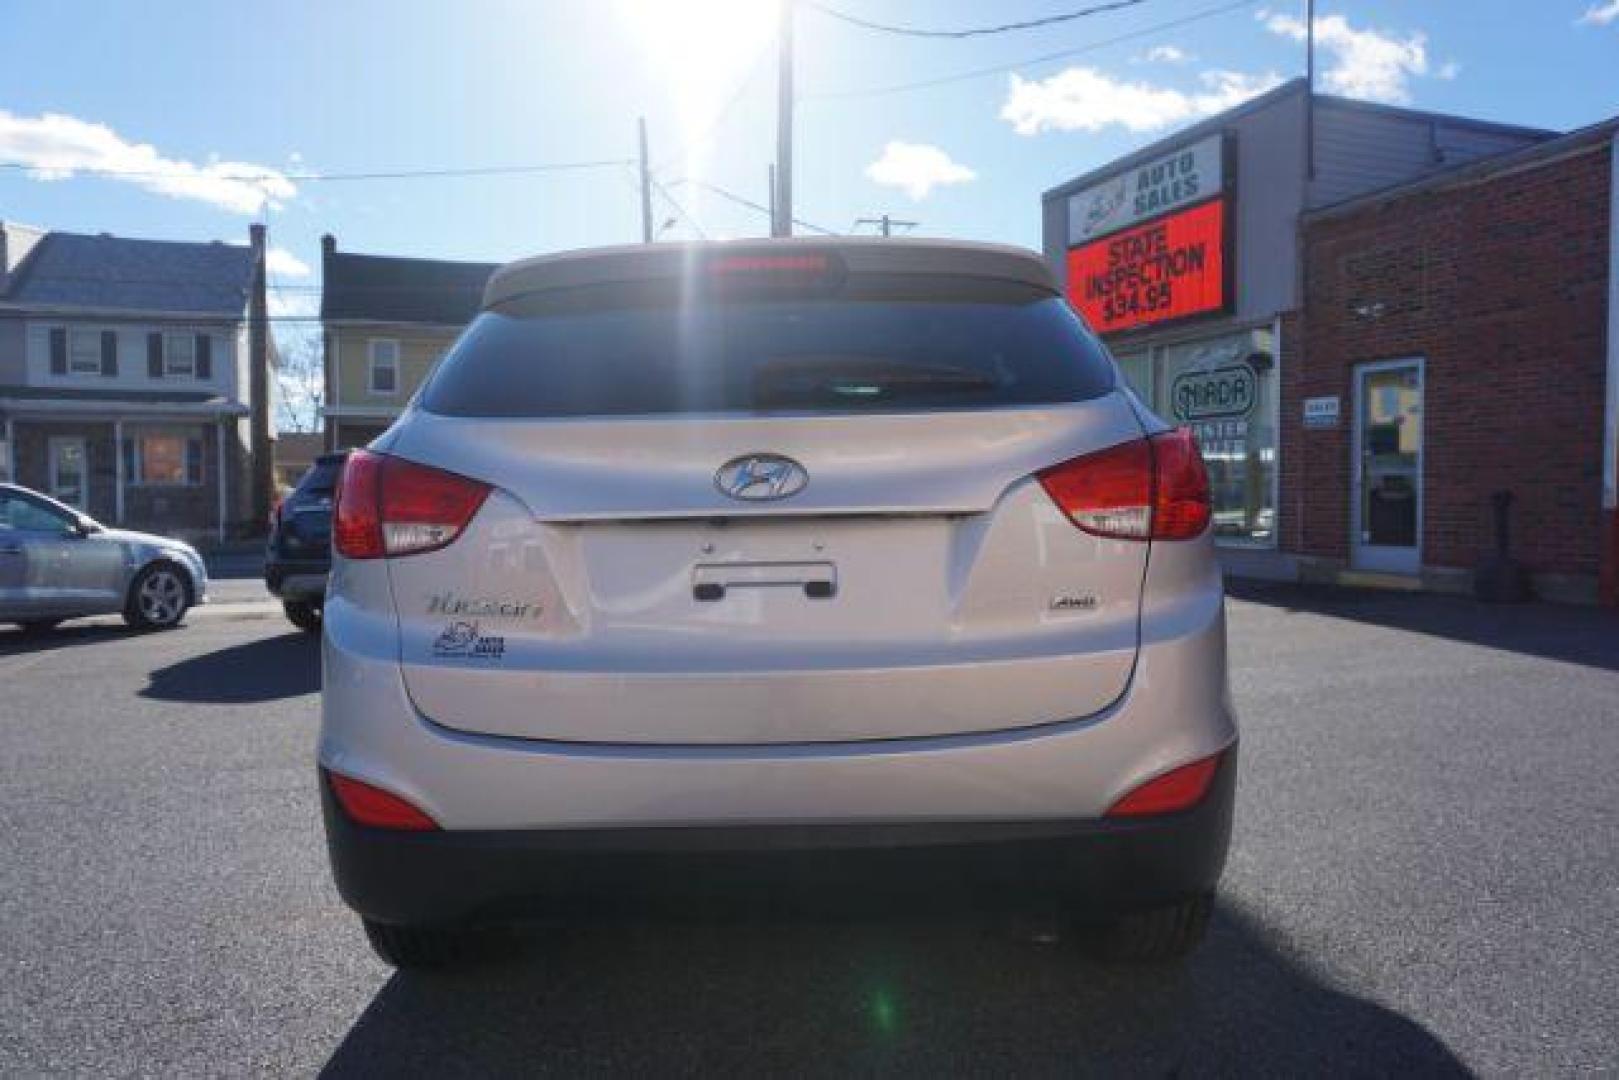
(1225,392)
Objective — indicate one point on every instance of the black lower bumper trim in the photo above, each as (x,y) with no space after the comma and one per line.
(278,571)
(465,876)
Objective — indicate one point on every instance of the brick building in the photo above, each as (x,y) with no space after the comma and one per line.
(1185,256)
(1463,323)
(1373,319)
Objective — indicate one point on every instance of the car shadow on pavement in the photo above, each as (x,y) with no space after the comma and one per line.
(839,999)
(267,669)
(1577,635)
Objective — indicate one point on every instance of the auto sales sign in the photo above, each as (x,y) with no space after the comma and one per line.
(1150,245)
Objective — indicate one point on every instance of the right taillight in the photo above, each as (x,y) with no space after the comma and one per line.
(387,506)
(1170,792)
(1149,489)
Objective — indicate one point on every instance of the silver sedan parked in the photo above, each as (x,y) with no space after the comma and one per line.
(56,563)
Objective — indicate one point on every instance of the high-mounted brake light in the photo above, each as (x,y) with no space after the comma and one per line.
(387,506)
(805,263)
(1148,489)
(368,805)
(1176,790)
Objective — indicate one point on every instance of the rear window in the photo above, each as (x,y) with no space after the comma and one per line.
(321,479)
(993,345)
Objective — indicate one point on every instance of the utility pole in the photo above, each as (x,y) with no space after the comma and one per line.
(782,222)
(646,189)
(886,225)
(1309,89)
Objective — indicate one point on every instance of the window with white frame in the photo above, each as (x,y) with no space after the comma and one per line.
(384,366)
(179,355)
(163,457)
(83,351)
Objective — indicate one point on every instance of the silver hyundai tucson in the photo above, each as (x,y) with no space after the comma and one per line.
(765,574)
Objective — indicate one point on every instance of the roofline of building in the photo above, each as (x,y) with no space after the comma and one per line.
(1293,87)
(339,253)
(1210,126)
(15,408)
(1579,141)
(1333,101)
(245,248)
(414,324)
(362,412)
(12,307)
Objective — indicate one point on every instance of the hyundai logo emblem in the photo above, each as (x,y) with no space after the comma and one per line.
(761,477)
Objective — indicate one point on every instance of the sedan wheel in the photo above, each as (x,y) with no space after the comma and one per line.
(158,598)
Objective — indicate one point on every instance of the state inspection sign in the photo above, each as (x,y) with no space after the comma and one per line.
(1169,268)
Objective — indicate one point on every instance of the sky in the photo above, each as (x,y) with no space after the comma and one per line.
(230,113)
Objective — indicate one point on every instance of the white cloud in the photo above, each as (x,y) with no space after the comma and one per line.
(1366,64)
(1450,68)
(55,147)
(1599,14)
(917,168)
(1166,54)
(1085,99)
(283,263)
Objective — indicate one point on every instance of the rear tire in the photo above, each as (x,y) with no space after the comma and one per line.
(302,614)
(1158,935)
(418,948)
(158,597)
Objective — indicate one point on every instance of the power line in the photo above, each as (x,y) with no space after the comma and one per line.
(979,73)
(681,210)
(749,203)
(309,178)
(980,31)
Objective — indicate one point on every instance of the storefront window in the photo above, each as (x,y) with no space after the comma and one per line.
(1224,389)
(1137,369)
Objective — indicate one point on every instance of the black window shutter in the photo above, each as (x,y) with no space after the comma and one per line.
(194,461)
(154,355)
(58,350)
(205,356)
(109,353)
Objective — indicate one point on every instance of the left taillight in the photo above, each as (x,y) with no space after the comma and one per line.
(387,506)
(366,804)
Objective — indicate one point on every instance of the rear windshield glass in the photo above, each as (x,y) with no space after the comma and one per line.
(816,354)
(321,479)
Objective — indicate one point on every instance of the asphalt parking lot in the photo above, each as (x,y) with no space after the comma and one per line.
(1424,880)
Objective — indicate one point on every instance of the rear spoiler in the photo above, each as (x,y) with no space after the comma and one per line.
(856,255)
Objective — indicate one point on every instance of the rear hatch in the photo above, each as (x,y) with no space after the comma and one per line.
(305,527)
(786,511)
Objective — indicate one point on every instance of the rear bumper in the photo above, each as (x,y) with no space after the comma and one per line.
(1084,865)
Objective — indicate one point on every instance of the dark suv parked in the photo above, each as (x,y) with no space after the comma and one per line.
(299,554)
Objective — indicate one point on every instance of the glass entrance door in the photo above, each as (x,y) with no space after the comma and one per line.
(70,472)
(1386,511)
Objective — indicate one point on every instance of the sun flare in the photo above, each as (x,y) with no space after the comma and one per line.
(701,48)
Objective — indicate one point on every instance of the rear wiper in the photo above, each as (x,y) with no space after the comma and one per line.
(857,381)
